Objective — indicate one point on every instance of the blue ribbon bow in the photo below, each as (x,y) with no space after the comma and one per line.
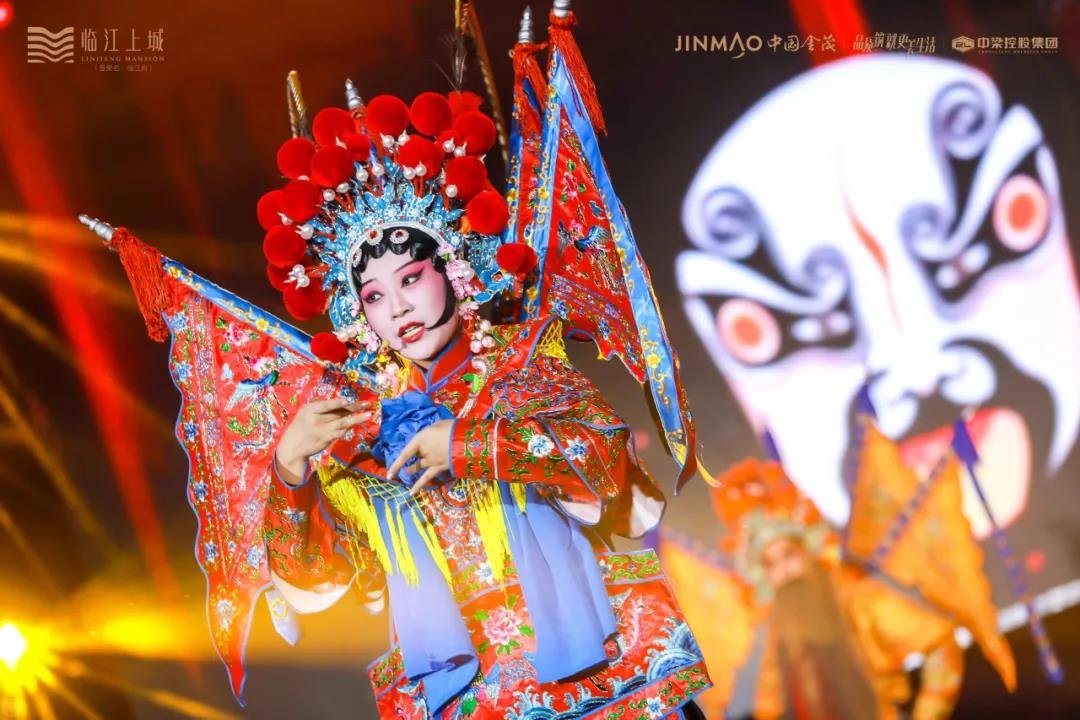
(402,418)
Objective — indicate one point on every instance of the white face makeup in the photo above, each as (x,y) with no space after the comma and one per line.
(404,301)
(884,218)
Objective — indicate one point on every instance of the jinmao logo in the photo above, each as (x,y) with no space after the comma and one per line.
(45,46)
(963,43)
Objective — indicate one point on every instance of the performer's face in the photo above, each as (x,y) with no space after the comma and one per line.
(784,560)
(405,302)
(882,219)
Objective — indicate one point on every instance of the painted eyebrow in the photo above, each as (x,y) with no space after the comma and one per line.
(396,270)
(406,264)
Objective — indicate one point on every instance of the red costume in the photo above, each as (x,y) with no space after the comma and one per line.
(505,596)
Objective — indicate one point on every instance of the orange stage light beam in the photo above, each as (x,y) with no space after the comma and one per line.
(10,311)
(86,326)
(69,493)
(73,276)
(179,704)
(51,681)
(7,524)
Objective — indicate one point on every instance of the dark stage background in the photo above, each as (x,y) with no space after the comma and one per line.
(180,150)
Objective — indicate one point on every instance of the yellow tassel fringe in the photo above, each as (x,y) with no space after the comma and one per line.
(350,496)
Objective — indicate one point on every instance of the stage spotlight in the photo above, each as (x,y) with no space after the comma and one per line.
(7,13)
(12,645)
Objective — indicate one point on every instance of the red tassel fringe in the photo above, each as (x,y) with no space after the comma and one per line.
(563,38)
(526,67)
(142,264)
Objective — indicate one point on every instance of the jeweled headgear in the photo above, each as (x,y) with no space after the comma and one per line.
(758,504)
(366,176)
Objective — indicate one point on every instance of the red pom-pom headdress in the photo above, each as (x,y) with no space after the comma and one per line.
(374,167)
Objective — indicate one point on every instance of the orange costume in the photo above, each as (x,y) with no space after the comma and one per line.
(842,610)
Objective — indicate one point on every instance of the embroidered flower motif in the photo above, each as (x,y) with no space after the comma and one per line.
(177,322)
(295,516)
(212,433)
(182,370)
(251,511)
(655,707)
(504,629)
(254,556)
(225,610)
(236,334)
(484,573)
(576,449)
(541,446)
(569,188)
(262,365)
(501,626)
(190,431)
(199,490)
(210,552)
(558,307)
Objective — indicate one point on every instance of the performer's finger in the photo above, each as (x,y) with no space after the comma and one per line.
(410,450)
(430,474)
(321,407)
(348,421)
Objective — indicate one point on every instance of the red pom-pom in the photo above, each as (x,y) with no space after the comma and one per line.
(420,150)
(443,137)
(461,102)
(387,115)
(516,258)
(326,346)
(268,210)
(477,131)
(359,146)
(430,113)
(468,175)
(488,213)
(294,157)
(277,277)
(283,247)
(306,302)
(331,166)
(300,200)
(330,124)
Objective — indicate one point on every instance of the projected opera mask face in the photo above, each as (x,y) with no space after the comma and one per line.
(885,219)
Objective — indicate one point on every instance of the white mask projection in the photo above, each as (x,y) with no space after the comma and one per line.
(884,219)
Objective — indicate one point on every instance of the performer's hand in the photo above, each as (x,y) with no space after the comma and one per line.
(315,426)
(431,449)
